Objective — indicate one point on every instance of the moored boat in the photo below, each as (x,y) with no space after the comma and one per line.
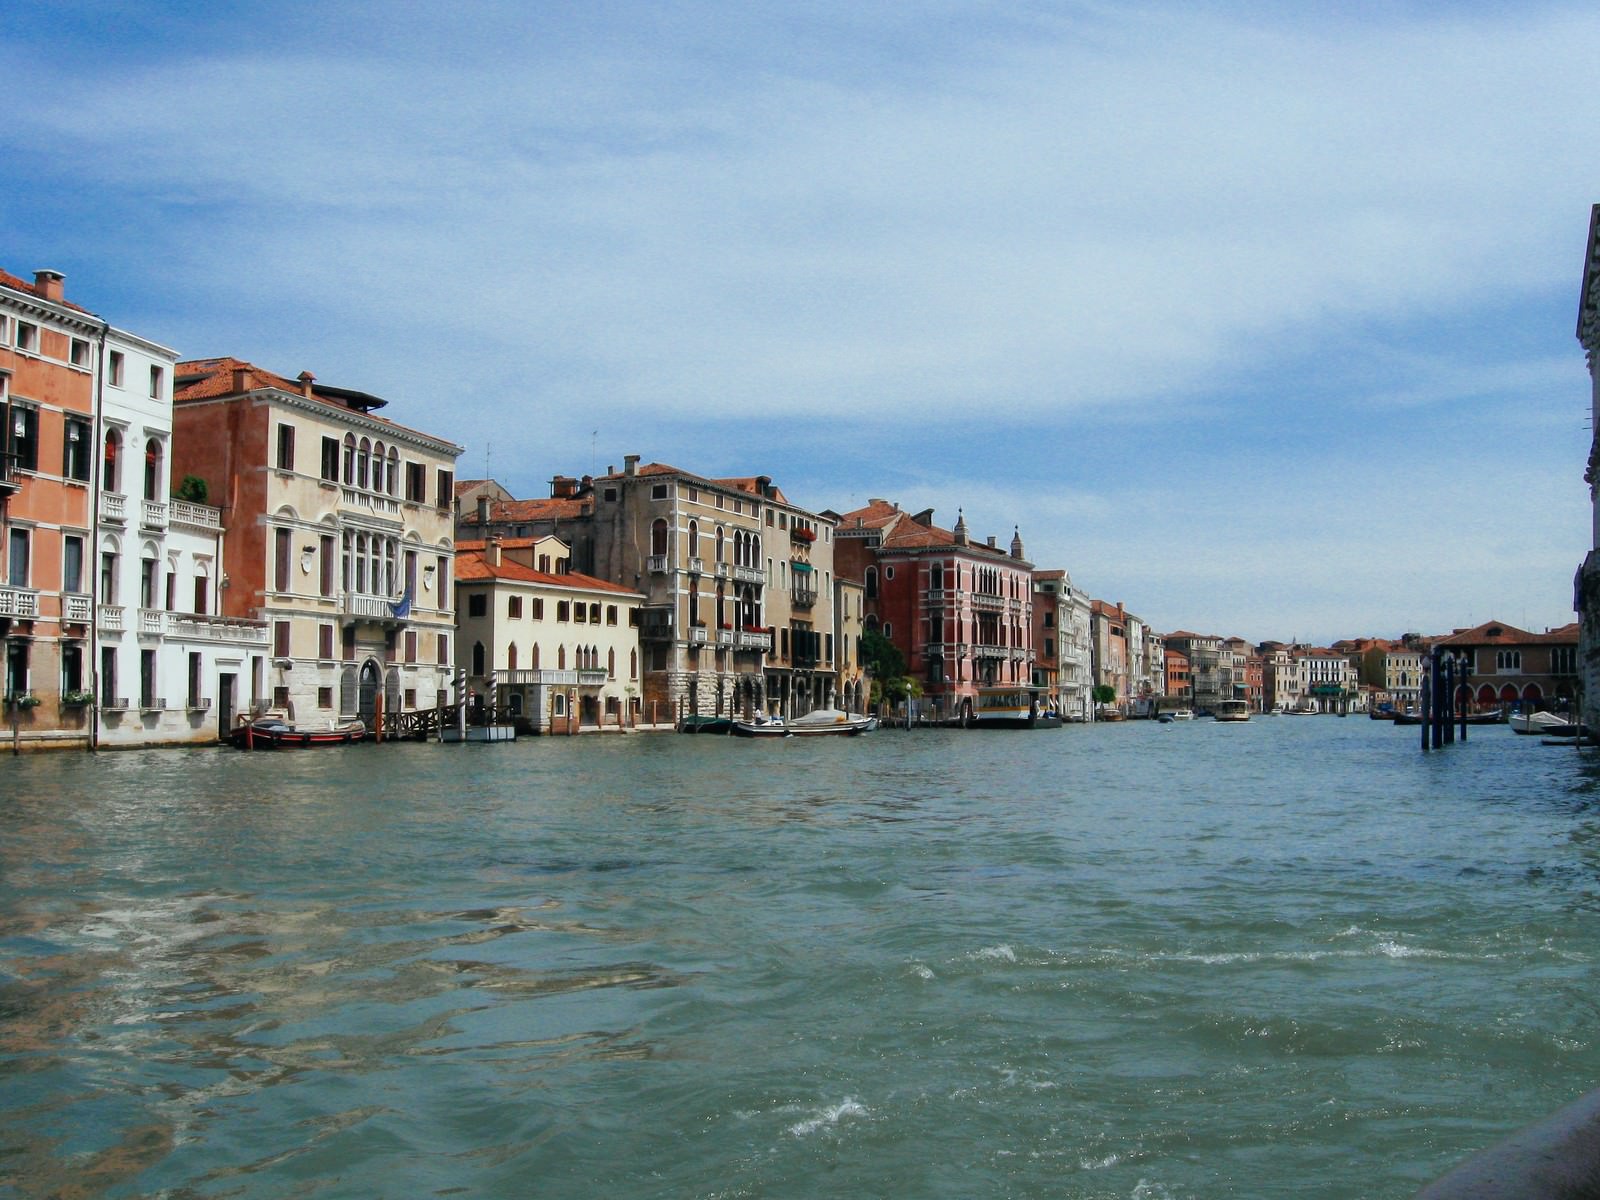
(1537,722)
(1231,710)
(275,733)
(1014,708)
(824,722)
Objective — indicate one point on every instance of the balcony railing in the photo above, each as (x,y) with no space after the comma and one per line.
(373,608)
(75,607)
(152,620)
(724,637)
(802,597)
(748,575)
(724,571)
(697,635)
(754,641)
(198,516)
(592,678)
(154,515)
(113,507)
(988,603)
(197,627)
(697,566)
(18,602)
(656,564)
(111,618)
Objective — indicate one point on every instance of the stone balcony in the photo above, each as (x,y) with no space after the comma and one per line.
(113,507)
(201,628)
(18,602)
(153,515)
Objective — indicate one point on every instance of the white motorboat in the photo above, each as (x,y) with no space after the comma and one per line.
(1536,722)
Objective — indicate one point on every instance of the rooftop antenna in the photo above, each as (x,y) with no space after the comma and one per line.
(594,456)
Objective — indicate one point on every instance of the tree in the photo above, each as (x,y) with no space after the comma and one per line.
(193,489)
(1104,693)
(887,666)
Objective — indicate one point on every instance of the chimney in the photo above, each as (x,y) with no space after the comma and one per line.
(47,285)
(483,511)
(492,550)
(990,541)
(630,464)
(241,379)
(563,487)
(305,379)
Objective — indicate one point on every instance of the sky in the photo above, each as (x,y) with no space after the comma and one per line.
(1256,318)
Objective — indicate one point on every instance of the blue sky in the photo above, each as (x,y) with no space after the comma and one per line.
(1256,320)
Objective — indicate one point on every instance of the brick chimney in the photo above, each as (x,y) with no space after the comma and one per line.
(492,550)
(305,380)
(241,379)
(630,464)
(483,510)
(48,285)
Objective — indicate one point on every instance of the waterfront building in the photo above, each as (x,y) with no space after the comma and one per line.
(1209,676)
(1234,662)
(1075,652)
(49,348)
(1180,685)
(1280,678)
(1511,666)
(853,691)
(1108,633)
(1586,586)
(340,537)
(171,667)
(1155,667)
(1327,680)
(961,612)
(1047,632)
(556,651)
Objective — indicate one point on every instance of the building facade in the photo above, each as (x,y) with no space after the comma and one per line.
(1513,667)
(340,538)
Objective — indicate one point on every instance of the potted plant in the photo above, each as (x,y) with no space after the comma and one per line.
(24,701)
(76,699)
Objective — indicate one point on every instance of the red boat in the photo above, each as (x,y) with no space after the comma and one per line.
(274,733)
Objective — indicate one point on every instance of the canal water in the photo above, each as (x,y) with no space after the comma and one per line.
(1291,958)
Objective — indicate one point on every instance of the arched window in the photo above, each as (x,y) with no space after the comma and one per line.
(560,705)
(511,657)
(633,664)
(108,473)
(152,469)
(561,658)
(534,665)
(363,463)
(694,539)
(720,540)
(350,459)
(872,583)
(393,487)
(611,663)
(658,536)
(477,658)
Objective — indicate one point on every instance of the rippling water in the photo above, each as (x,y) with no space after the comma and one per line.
(1289,958)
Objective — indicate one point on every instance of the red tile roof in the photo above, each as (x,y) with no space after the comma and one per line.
(22,285)
(1498,633)
(472,567)
(504,511)
(902,531)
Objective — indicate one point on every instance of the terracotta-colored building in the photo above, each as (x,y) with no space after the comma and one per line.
(1514,666)
(961,612)
(49,351)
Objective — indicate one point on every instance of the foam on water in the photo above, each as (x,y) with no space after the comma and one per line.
(827,1118)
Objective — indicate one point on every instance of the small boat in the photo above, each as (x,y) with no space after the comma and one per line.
(1409,717)
(699,724)
(1231,710)
(1183,714)
(1166,718)
(275,733)
(1018,707)
(1537,722)
(824,722)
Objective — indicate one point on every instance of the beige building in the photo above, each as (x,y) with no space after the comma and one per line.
(339,536)
(555,651)
(853,689)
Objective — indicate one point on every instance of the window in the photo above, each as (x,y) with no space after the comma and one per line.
(108,676)
(285,447)
(611,614)
(611,493)
(411,645)
(444,648)
(17,558)
(563,609)
(194,680)
(537,613)
(147,679)
(280,639)
(108,577)
(325,542)
(330,459)
(157,378)
(280,697)
(447,489)
(113,451)
(72,666)
(514,608)
(27,337)
(324,697)
(202,594)
(325,641)
(444,583)
(71,563)
(1508,660)
(75,451)
(22,431)
(477,658)
(78,353)
(580,614)
(281,579)
(477,604)
(114,366)
(658,491)
(152,469)
(350,459)
(416,482)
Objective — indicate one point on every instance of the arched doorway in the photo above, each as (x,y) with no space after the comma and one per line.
(371,681)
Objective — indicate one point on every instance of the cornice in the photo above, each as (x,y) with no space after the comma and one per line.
(390,431)
(34,306)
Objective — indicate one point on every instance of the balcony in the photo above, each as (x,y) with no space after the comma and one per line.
(152,620)
(112,618)
(751,640)
(656,564)
(197,516)
(655,624)
(802,597)
(724,571)
(200,628)
(748,575)
(697,566)
(369,608)
(988,603)
(697,635)
(18,602)
(154,515)
(76,609)
(592,678)
(998,652)
(113,507)
(355,498)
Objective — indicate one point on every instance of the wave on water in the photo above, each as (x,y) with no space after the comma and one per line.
(828,1117)
(1000,953)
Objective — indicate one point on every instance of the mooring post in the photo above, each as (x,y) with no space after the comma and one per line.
(1464,686)
(1449,713)
(1425,695)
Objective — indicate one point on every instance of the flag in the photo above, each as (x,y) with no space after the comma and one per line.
(401,608)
